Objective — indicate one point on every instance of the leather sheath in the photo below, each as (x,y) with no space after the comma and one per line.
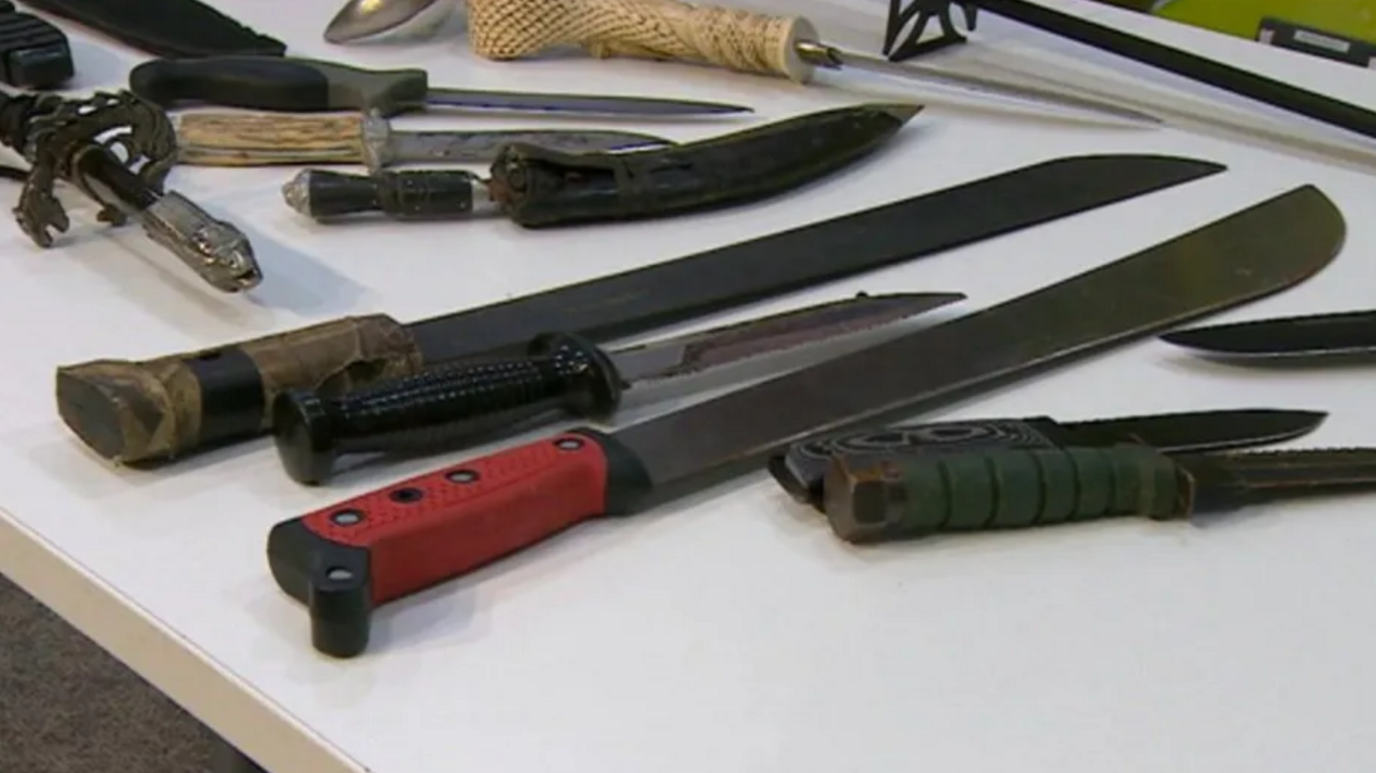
(183,29)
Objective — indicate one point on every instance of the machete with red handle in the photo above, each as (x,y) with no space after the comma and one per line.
(346,559)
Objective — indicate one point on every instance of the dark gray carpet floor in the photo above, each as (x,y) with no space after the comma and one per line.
(66,706)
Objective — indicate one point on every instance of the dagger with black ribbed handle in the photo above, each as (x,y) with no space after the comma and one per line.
(343,559)
(995,490)
(561,373)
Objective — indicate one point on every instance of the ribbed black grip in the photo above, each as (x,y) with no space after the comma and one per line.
(406,195)
(439,408)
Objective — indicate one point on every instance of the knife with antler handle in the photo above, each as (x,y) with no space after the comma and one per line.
(267,139)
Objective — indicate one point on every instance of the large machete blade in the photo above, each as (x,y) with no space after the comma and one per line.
(343,559)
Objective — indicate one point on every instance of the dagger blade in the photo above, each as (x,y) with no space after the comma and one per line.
(1197,431)
(981,86)
(1317,334)
(384,146)
(696,352)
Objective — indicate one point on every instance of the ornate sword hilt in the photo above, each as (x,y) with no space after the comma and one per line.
(58,134)
(59,130)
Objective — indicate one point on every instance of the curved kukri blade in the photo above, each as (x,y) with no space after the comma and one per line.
(1352,332)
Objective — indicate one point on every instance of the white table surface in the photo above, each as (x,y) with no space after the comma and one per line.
(731,631)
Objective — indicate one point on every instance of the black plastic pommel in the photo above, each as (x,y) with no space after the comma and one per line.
(305,434)
(333,582)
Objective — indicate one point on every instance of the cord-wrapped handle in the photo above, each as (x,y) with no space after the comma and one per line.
(262,139)
(435,409)
(916,496)
(647,29)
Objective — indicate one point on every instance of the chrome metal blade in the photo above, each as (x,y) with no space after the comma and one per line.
(1345,333)
(697,352)
(577,103)
(481,147)
(826,56)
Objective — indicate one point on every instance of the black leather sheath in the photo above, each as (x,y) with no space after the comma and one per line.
(538,187)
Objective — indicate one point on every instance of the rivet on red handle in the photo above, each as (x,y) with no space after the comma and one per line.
(346,559)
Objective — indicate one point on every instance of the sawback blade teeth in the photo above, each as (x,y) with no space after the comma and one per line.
(696,352)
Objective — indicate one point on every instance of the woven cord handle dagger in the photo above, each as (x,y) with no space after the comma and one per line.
(646,29)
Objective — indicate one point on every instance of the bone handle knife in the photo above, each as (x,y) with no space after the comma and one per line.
(226,138)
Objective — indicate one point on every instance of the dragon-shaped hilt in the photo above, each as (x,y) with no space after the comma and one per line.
(58,131)
(924,11)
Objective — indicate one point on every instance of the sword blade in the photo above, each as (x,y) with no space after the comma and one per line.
(993,87)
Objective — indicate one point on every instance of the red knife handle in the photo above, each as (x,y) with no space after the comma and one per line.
(345,560)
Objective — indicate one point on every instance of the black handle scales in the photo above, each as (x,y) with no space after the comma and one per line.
(437,408)
(410,195)
(916,496)
(282,84)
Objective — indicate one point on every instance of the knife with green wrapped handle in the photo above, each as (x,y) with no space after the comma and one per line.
(802,469)
(1001,489)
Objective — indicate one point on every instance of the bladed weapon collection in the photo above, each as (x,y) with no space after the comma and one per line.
(371,386)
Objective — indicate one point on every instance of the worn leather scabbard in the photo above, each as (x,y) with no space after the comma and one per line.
(537,187)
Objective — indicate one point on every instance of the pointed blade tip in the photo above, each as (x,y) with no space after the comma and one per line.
(901,111)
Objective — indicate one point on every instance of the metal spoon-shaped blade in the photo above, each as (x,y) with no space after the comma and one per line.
(360,19)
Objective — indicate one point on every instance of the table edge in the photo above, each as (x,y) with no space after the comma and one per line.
(239,714)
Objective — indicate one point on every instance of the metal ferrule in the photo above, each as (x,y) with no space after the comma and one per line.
(216,250)
(375,138)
